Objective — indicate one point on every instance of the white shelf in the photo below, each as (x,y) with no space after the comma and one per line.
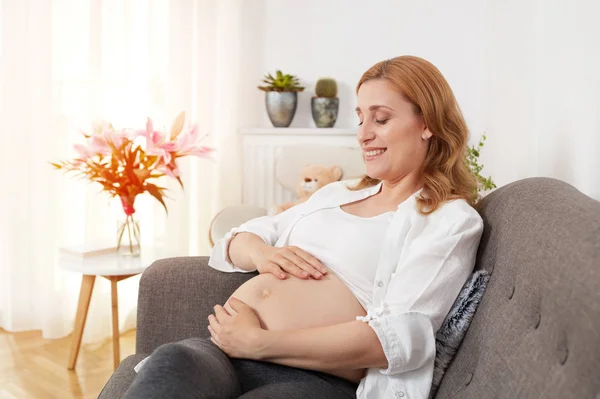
(303,131)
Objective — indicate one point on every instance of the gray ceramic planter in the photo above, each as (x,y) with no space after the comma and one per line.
(281,107)
(325,111)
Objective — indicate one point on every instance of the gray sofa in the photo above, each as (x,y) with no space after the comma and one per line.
(536,333)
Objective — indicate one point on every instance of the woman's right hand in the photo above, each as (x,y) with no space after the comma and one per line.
(292,260)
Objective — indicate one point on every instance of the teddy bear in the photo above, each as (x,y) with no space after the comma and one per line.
(312,178)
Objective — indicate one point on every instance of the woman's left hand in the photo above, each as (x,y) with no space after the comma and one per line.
(236,332)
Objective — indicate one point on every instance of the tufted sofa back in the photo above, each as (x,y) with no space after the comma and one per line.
(536,333)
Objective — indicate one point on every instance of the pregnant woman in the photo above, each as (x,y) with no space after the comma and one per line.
(355,282)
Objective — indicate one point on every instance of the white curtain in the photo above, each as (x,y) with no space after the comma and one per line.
(66,63)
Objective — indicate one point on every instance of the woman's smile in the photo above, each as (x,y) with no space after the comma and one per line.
(373,153)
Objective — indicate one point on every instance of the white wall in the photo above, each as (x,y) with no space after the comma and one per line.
(569,93)
(509,85)
(543,91)
(342,39)
(524,72)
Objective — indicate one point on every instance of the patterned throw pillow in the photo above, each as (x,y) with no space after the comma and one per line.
(456,324)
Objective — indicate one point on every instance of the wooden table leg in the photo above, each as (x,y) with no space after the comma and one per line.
(115,321)
(85,294)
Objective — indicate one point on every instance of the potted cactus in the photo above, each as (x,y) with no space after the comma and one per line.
(281,97)
(325,103)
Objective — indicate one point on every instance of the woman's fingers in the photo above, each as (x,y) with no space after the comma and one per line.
(306,267)
(274,269)
(311,260)
(213,323)
(229,309)
(289,266)
(220,313)
(292,260)
(214,337)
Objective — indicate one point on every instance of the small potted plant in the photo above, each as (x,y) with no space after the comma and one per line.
(483,183)
(325,103)
(281,97)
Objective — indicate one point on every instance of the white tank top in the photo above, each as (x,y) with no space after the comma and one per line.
(347,245)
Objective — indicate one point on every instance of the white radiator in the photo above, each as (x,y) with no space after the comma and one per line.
(261,146)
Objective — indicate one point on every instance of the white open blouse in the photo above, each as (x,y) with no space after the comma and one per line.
(423,263)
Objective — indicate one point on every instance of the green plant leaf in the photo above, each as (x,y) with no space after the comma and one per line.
(472,160)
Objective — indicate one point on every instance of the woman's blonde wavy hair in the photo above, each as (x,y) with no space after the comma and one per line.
(446,173)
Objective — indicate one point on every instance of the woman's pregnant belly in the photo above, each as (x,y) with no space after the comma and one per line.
(295,303)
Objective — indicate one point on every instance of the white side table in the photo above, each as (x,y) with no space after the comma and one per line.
(114,268)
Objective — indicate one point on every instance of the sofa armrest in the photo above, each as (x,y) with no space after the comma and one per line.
(176,295)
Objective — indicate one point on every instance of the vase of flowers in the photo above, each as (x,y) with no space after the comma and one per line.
(129,162)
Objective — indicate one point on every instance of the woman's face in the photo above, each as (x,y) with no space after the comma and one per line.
(390,133)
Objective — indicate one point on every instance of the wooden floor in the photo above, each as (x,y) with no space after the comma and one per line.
(33,367)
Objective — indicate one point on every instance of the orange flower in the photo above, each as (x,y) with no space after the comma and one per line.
(123,168)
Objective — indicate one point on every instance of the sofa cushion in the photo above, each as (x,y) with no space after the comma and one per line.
(456,324)
(122,378)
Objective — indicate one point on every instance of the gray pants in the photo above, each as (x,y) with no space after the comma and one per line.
(197,368)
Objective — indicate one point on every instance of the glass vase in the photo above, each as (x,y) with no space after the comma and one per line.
(128,237)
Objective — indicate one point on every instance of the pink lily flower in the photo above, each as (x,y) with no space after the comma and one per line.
(187,145)
(95,145)
(156,143)
(99,145)
(98,142)
(171,170)
(83,151)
